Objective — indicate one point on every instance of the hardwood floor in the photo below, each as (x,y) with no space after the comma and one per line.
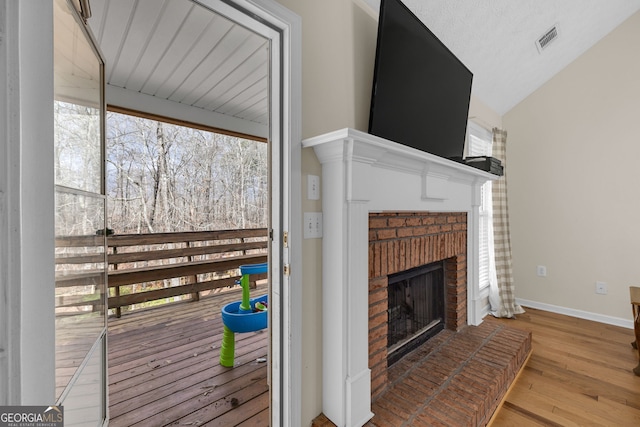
(578,375)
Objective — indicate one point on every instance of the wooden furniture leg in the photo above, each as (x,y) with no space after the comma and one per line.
(634,292)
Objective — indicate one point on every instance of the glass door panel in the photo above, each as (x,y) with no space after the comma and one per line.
(77,105)
(80,281)
(81,268)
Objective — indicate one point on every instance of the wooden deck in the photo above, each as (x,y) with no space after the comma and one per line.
(164,368)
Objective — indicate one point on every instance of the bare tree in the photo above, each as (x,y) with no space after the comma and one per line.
(163,177)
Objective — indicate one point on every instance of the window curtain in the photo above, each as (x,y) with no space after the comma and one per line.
(501,292)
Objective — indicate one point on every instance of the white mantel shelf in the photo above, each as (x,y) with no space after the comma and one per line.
(362,173)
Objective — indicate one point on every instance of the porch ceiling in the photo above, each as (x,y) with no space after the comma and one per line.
(180,59)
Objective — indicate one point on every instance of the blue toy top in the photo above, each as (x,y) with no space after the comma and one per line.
(254,268)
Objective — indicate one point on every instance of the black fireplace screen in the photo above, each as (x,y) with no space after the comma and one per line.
(416,308)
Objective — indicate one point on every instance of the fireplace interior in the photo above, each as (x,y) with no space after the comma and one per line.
(416,308)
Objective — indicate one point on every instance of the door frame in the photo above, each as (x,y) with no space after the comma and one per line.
(27,318)
(283,29)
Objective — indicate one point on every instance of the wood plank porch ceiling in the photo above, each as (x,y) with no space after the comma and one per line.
(183,52)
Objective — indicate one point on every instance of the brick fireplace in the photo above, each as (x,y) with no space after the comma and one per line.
(402,241)
(365,175)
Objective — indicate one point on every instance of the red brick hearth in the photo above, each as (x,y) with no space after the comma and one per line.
(456,379)
(399,242)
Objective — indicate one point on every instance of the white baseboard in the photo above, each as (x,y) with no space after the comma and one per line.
(601,318)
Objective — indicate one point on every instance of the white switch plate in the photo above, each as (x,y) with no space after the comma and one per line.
(313,187)
(312,225)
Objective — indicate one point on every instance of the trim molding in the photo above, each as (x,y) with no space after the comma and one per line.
(600,318)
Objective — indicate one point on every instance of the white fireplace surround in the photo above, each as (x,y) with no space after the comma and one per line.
(362,173)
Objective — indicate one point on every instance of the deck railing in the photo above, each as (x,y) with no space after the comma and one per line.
(186,263)
(150,267)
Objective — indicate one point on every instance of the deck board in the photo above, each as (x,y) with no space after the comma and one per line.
(164,368)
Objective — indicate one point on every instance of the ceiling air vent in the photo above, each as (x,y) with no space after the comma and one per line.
(546,39)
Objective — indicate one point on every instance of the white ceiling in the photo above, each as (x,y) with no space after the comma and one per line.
(180,52)
(495,39)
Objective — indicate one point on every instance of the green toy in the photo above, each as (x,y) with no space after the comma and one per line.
(247,315)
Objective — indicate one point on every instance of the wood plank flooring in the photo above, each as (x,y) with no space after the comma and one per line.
(578,375)
(164,368)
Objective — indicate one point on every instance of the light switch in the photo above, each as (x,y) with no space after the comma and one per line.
(312,225)
(313,187)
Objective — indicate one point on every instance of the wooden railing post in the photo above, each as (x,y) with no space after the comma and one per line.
(252,285)
(117,288)
(195,296)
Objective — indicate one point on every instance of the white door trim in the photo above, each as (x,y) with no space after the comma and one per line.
(27,334)
(284,30)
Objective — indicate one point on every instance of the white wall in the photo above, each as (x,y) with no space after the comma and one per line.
(573,150)
(338,45)
(483,115)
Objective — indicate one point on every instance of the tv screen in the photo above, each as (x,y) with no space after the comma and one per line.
(421,91)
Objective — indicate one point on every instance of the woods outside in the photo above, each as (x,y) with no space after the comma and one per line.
(160,178)
(163,177)
(168,178)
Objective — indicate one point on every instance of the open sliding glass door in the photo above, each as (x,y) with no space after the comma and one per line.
(80,229)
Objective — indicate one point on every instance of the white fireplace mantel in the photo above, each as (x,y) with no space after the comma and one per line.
(362,173)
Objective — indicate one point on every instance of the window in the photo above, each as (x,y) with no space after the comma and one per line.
(479,144)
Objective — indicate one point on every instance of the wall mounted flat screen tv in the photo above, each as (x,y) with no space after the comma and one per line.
(421,91)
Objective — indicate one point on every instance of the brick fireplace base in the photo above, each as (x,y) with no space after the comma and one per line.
(399,242)
(454,379)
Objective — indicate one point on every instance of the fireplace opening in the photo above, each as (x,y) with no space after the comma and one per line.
(416,308)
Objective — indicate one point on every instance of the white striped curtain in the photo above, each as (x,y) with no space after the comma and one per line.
(502,294)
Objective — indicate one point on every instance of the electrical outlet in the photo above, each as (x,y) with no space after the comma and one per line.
(601,288)
(312,225)
(541,270)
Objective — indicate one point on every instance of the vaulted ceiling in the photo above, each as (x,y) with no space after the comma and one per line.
(496,39)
